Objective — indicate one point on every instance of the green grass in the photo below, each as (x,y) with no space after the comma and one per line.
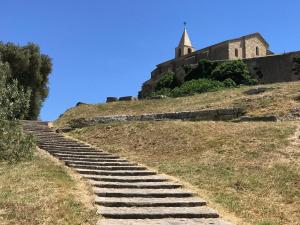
(281,101)
(244,169)
(42,192)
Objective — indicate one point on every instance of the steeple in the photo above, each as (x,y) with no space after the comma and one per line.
(185,45)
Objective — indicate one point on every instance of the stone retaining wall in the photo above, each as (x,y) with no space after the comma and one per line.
(213,115)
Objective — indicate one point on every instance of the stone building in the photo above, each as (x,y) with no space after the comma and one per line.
(249,48)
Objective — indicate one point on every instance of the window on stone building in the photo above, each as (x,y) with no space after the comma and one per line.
(189,50)
(257,51)
(236,52)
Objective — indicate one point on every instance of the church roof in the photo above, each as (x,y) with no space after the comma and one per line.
(185,40)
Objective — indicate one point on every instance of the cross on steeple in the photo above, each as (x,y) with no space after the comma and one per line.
(185,46)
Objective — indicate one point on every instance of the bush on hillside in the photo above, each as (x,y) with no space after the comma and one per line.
(163,91)
(167,80)
(229,83)
(31,69)
(202,71)
(14,104)
(196,86)
(236,70)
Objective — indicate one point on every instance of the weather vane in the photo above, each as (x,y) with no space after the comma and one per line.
(184,23)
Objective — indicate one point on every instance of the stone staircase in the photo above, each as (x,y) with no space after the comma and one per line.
(126,193)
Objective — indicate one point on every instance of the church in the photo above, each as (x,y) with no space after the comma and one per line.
(253,49)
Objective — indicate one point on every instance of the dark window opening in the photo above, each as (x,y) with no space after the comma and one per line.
(257,51)
(236,52)
(179,52)
(189,50)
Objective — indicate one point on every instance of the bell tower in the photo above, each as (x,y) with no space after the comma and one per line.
(185,46)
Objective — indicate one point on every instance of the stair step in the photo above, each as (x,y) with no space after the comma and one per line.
(116,172)
(126,179)
(95,156)
(91,159)
(166,221)
(145,193)
(149,202)
(96,167)
(156,212)
(74,162)
(141,185)
(79,152)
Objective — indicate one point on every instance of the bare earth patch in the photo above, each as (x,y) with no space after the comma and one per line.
(43,191)
(244,169)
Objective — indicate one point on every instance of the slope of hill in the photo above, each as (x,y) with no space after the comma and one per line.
(282,99)
(249,171)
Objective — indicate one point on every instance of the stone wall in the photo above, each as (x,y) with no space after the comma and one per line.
(250,48)
(214,114)
(268,69)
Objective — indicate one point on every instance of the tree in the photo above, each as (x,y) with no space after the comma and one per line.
(236,70)
(167,80)
(202,71)
(31,69)
(14,104)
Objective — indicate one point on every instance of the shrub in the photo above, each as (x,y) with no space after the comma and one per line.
(229,83)
(196,87)
(167,80)
(163,91)
(236,70)
(14,104)
(202,71)
(15,146)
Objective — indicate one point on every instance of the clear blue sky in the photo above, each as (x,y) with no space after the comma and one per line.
(109,47)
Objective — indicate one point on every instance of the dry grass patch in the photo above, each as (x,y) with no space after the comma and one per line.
(43,192)
(281,101)
(242,166)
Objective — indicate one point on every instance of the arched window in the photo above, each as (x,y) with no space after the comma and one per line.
(179,52)
(189,50)
(257,51)
(236,52)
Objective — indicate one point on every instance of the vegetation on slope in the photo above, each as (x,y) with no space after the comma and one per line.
(41,191)
(282,100)
(206,76)
(243,167)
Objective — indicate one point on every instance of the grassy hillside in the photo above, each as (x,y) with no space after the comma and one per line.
(250,170)
(43,192)
(283,100)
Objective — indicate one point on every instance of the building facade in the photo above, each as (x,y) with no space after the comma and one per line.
(250,48)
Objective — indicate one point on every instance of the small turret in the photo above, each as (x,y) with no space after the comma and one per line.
(185,46)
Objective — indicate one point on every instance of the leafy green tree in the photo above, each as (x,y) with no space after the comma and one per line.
(236,70)
(14,104)
(202,71)
(167,80)
(31,69)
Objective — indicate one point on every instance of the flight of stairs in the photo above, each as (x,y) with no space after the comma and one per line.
(126,193)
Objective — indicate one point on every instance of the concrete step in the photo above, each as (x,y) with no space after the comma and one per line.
(95,156)
(141,185)
(156,212)
(166,221)
(91,159)
(149,202)
(77,152)
(96,167)
(116,172)
(100,163)
(145,193)
(126,179)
